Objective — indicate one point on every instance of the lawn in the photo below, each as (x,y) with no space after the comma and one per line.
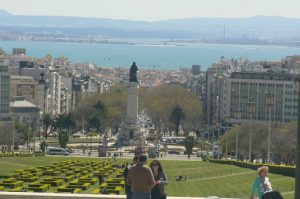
(203,178)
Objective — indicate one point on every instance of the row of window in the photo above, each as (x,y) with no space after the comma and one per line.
(4,77)
(262,84)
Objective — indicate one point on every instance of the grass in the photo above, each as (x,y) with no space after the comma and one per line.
(207,179)
(203,178)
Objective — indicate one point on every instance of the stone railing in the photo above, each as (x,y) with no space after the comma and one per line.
(26,195)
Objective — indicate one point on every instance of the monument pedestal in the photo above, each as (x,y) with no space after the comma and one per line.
(131,135)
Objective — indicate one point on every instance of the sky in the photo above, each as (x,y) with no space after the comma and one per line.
(153,10)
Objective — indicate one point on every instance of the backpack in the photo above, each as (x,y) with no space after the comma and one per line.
(272,195)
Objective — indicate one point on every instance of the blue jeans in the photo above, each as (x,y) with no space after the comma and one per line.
(141,195)
(128,195)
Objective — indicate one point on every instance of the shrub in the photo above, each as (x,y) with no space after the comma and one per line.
(18,189)
(64,188)
(41,188)
(277,169)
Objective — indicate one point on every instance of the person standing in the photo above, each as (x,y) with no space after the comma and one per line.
(141,179)
(159,190)
(126,170)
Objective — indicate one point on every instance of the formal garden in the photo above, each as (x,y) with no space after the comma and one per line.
(81,175)
(75,176)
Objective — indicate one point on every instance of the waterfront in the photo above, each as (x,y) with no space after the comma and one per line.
(161,56)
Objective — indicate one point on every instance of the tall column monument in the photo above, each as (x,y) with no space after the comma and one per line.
(131,134)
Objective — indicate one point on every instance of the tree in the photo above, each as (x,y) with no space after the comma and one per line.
(96,119)
(108,108)
(24,130)
(283,141)
(189,143)
(6,133)
(160,101)
(47,121)
(64,122)
(177,115)
(63,139)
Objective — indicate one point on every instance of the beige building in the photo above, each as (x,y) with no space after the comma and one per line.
(25,112)
(24,86)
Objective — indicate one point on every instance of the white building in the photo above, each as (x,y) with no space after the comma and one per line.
(54,93)
(228,93)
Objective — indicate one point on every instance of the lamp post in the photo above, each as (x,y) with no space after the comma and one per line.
(213,134)
(238,117)
(219,145)
(27,128)
(251,111)
(226,145)
(13,138)
(269,103)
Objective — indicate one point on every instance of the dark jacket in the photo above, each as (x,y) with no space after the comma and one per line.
(162,186)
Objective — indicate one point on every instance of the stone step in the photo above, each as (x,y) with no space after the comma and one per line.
(27,195)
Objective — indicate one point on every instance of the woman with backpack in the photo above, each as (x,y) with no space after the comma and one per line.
(263,187)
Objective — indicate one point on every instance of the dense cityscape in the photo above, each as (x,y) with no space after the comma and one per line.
(149,100)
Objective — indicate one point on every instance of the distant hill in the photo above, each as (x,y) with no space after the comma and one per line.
(264,28)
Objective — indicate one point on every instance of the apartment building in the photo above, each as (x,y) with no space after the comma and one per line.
(24,86)
(255,87)
(4,92)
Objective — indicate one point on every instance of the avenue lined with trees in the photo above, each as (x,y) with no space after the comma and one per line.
(173,110)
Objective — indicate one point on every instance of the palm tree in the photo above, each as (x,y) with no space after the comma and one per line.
(64,122)
(47,121)
(177,115)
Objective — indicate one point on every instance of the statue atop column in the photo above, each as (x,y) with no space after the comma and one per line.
(132,73)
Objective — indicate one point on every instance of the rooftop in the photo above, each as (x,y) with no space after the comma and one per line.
(21,104)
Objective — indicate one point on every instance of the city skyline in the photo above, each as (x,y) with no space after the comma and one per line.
(155,10)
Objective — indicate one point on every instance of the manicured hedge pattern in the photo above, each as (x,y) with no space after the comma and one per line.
(73,176)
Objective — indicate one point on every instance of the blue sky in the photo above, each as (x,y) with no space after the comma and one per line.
(153,10)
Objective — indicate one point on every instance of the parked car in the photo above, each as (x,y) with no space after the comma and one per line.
(56,151)
(174,152)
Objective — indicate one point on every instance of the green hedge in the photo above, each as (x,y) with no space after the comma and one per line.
(53,182)
(18,189)
(12,185)
(64,188)
(276,169)
(37,154)
(114,190)
(28,179)
(84,186)
(41,188)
